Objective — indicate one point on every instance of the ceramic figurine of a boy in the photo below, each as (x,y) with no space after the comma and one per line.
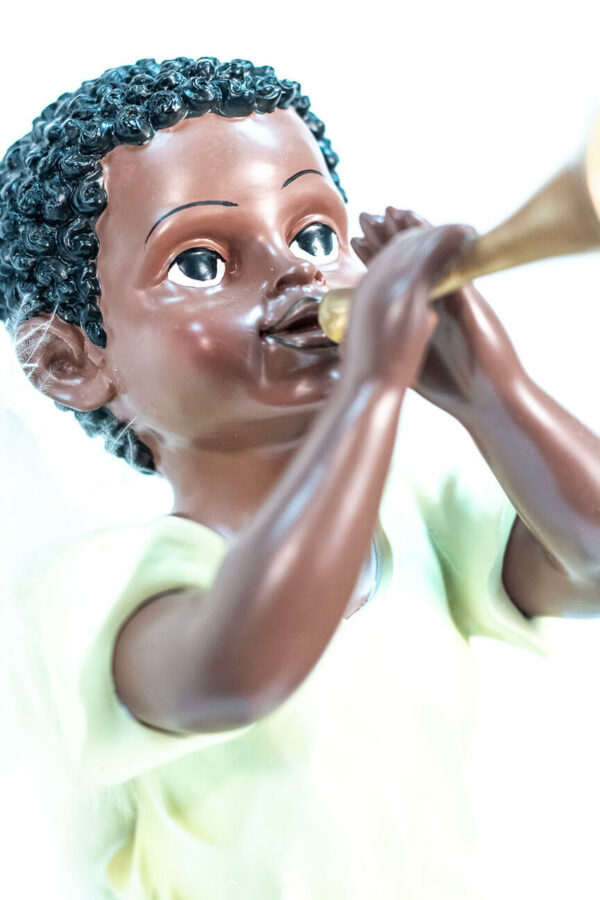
(279,670)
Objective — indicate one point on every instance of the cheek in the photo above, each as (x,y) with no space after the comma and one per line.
(178,366)
(218,347)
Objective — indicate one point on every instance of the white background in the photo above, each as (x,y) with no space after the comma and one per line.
(458,110)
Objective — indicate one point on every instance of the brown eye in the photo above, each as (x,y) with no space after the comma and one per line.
(198,267)
(317,242)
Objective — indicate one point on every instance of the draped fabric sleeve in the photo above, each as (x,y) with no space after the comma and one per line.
(86,597)
(469,520)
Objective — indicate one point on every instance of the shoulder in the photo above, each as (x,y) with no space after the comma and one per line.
(92,588)
(138,553)
(99,579)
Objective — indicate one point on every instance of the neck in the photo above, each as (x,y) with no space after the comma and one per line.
(223,486)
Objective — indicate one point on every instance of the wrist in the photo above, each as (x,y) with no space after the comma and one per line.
(492,405)
(358,378)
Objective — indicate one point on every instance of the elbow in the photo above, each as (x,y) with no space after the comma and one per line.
(582,573)
(211,715)
(564,582)
(228,706)
(198,715)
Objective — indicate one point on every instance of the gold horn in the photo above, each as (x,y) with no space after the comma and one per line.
(562,218)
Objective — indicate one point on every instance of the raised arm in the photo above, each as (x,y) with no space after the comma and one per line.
(545,459)
(185,662)
(549,465)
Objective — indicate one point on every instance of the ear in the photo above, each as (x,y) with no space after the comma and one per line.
(62,362)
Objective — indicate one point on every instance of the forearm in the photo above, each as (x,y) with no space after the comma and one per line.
(186,662)
(286,582)
(549,466)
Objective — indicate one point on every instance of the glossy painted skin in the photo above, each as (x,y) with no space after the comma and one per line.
(260,441)
(547,461)
(232,393)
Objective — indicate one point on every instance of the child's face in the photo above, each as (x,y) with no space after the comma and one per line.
(187,359)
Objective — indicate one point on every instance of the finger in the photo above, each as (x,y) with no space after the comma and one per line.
(373,230)
(441,244)
(420,254)
(398,220)
(420,220)
(407,218)
(362,250)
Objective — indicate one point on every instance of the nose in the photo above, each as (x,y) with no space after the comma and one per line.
(294,272)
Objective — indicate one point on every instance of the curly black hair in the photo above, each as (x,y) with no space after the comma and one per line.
(51,190)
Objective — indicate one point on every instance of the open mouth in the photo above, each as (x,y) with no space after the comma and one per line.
(299,328)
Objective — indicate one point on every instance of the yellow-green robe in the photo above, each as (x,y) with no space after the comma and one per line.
(352,789)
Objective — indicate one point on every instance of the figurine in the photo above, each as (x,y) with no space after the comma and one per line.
(281,680)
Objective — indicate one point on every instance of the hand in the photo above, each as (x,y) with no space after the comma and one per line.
(391,320)
(469,356)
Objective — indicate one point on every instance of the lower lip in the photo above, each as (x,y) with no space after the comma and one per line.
(312,339)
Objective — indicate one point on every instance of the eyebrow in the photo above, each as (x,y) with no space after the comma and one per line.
(298,174)
(187,206)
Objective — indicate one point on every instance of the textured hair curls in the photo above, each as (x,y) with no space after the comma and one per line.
(51,189)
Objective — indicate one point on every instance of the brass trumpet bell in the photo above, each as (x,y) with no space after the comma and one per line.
(562,218)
